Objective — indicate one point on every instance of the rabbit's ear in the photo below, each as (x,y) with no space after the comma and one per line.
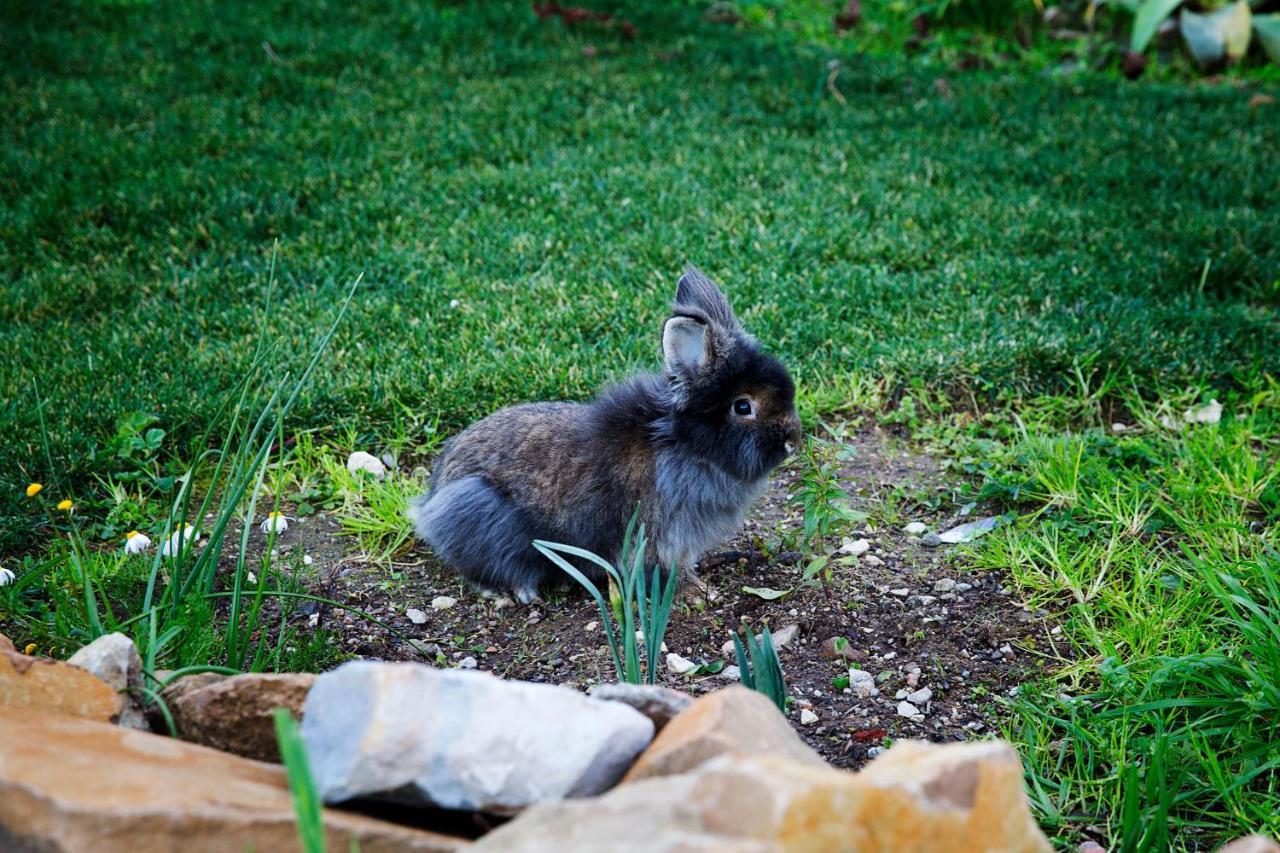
(697,291)
(685,346)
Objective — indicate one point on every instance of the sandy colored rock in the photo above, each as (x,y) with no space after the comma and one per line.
(732,720)
(115,660)
(957,797)
(1251,844)
(55,687)
(233,714)
(75,785)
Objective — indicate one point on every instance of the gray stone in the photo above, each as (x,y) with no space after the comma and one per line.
(411,734)
(969,531)
(915,528)
(944,585)
(920,697)
(114,659)
(930,540)
(657,703)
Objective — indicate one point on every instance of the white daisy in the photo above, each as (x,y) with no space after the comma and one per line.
(275,522)
(135,542)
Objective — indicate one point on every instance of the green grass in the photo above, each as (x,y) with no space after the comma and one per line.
(155,152)
(1051,251)
(1159,549)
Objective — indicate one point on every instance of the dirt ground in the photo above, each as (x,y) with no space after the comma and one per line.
(912,615)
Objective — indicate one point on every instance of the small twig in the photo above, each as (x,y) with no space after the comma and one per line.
(271,54)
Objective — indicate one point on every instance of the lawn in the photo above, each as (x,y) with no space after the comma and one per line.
(995,265)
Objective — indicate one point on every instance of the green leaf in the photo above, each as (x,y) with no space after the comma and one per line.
(1150,15)
(1267,28)
(765,592)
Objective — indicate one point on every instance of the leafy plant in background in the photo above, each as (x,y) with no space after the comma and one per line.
(639,599)
(307,806)
(817,490)
(1215,33)
(759,667)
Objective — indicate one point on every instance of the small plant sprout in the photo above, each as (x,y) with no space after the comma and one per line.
(366,463)
(639,601)
(66,505)
(34,489)
(135,542)
(180,539)
(7,577)
(275,522)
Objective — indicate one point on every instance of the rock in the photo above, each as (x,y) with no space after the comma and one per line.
(1090,847)
(732,720)
(969,530)
(783,636)
(233,714)
(468,663)
(872,560)
(944,585)
(366,463)
(834,649)
(911,712)
(462,740)
(731,672)
(727,649)
(416,616)
(1251,844)
(920,697)
(115,660)
(915,528)
(855,547)
(678,665)
(53,687)
(443,602)
(807,717)
(78,785)
(659,704)
(862,683)
(900,592)
(427,650)
(912,797)
(931,540)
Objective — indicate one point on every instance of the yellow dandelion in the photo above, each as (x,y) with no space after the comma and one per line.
(34,489)
(30,649)
(65,505)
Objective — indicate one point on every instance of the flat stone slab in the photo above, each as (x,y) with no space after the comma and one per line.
(411,734)
(71,784)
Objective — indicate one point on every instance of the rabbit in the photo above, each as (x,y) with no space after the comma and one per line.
(692,447)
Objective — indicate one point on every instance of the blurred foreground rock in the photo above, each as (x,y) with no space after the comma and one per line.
(917,797)
(69,784)
(462,740)
(733,720)
(53,687)
(115,660)
(234,713)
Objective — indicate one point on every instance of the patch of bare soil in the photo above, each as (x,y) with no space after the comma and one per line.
(913,617)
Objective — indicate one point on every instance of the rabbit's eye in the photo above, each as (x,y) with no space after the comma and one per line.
(742,407)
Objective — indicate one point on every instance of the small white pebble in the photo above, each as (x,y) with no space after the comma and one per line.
(443,602)
(807,717)
(416,616)
(306,560)
(366,463)
(678,665)
(915,528)
(467,663)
